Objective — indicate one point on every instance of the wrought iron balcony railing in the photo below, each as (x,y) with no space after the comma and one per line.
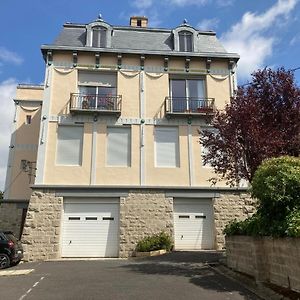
(110,104)
(189,106)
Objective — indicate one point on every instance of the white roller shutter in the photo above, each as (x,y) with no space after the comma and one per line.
(97,78)
(193,224)
(90,228)
(166,147)
(69,145)
(119,146)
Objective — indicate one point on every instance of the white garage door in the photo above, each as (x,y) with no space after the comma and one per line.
(193,224)
(90,228)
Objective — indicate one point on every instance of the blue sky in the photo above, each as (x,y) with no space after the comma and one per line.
(264,33)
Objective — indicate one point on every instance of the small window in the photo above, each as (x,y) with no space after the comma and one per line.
(28,120)
(69,145)
(74,218)
(99,37)
(184,217)
(185,41)
(166,147)
(119,146)
(200,217)
(108,218)
(91,218)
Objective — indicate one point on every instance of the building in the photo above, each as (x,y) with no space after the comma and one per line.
(22,157)
(118,153)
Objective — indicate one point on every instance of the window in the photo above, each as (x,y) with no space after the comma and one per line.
(166,147)
(119,146)
(28,120)
(187,94)
(69,145)
(204,150)
(97,90)
(139,23)
(99,37)
(185,41)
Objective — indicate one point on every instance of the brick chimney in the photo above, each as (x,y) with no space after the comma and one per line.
(136,21)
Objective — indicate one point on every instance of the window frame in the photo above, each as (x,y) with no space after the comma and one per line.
(177,147)
(187,36)
(89,33)
(188,29)
(187,89)
(129,153)
(101,32)
(80,149)
(28,120)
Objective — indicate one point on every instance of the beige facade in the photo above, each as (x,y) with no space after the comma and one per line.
(121,125)
(21,167)
(156,87)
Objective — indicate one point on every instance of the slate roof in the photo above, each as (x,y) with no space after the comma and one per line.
(142,40)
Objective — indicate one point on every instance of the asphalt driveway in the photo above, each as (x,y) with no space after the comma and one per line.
(179,275)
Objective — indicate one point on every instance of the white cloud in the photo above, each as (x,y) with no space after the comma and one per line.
(142,4)
(223,3)
(251,37)
(7,93)
(188,2)
(295,40)
(208,24)
(9,56)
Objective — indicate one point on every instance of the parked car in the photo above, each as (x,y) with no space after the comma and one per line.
(11,250)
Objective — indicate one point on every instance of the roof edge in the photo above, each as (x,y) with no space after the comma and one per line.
(235,56)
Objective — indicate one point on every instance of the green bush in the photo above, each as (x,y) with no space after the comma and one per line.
(276,185)
(155,242)
(293,224)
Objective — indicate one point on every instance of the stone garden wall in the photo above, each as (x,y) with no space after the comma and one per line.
(266,259)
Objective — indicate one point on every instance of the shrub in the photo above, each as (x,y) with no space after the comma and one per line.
(155,242)
(293,223)
(276,185)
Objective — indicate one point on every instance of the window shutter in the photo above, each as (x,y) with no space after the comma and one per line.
(69,145)
(166,143)
(97,79)
(119,146)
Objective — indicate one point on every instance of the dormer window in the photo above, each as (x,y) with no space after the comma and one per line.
(185,38)
(99,37)
(98,34)
(185,41)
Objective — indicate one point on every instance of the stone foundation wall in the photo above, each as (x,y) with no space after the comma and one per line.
(143,213)
(227,207)
(41,234)
(11,217)
(266,259)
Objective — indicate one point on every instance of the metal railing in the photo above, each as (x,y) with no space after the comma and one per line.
(189,105)
(95,102)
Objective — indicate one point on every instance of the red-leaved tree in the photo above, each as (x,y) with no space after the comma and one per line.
(261,121)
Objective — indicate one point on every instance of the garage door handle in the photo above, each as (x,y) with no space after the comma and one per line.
(70,242)
(182,237)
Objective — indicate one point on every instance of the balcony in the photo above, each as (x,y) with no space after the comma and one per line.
(95,103)
(189,106)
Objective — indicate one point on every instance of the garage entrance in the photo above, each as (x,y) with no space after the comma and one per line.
(193,224)
(90,228)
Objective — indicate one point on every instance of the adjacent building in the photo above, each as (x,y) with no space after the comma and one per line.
(115,147)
